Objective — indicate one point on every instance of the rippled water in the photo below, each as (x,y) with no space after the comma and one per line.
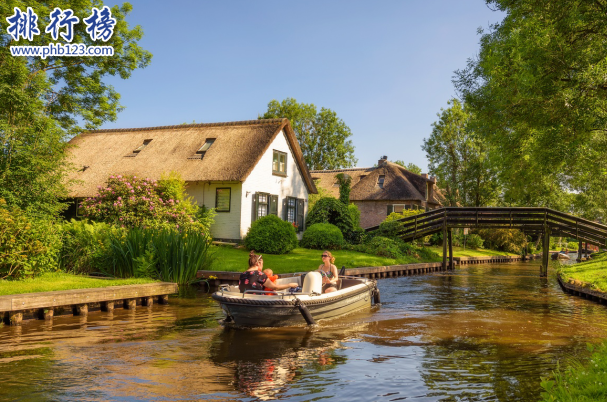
(482,333)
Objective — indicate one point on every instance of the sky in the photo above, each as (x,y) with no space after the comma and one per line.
(385,67)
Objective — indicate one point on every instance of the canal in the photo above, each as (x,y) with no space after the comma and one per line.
(481,333)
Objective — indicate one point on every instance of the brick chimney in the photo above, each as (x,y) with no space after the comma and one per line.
(382,161)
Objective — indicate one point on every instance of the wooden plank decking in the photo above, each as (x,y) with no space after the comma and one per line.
(12,307)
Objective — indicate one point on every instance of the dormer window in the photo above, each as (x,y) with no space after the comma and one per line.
(279,163)
(140,147)
(206,146)
(380,180)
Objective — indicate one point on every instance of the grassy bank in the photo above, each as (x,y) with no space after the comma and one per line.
(590,274)
(582,380)
(299,260)
(61,281)
(461,252)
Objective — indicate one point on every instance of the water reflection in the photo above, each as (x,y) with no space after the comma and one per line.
(483,332)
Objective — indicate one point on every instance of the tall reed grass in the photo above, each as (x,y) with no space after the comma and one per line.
(164,254)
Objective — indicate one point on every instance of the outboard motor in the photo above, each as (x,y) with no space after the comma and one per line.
(312,283)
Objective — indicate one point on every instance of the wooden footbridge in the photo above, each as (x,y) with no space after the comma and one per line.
(543,222)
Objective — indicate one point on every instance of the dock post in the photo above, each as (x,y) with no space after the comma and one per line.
(80,309)
(15,317)
(45,313)
(445,247)
(164,299)
(450,250)
(545,252)
(130,304)
(579,251)
(147,301)
(107,306)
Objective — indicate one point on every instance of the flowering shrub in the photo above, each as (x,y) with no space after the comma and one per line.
(131,201)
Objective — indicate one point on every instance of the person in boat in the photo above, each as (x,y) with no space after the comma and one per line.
(328,272)
(255,279)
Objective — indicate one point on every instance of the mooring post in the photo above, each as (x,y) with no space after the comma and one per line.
(579,251)
(445,247)
(450,249)
(545,252)
(15,317)
(163,299)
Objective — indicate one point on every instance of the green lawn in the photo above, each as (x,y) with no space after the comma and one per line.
(61,281)
(460,252)
(299,260)
(591,274)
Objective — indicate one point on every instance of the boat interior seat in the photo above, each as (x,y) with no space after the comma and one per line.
(346,283)
(312,282)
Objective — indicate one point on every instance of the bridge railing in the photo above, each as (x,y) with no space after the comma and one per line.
(534,221)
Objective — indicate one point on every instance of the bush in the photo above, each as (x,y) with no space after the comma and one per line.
(129,201)
(474,241)
(390,228)
(29,246)
(322,236)
(510,240)
(164,254)
(85,246)
(333,211)
(355,236)
(271,235)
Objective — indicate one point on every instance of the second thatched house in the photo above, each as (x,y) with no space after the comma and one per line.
(378,191)
(244,169)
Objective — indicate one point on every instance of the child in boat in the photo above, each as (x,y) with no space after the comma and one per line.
(270,274)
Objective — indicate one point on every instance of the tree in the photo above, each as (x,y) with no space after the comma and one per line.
(322,136)
(43,101)
(539,88)
(460,160)
(411,167)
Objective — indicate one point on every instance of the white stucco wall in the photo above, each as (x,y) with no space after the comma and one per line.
(261,179)
(227,224)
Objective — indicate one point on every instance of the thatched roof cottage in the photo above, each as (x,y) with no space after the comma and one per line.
(383,189)
(244,169)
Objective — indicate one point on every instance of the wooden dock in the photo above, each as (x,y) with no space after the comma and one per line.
(43,305)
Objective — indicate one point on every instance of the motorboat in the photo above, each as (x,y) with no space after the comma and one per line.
(560,256)
(306,305)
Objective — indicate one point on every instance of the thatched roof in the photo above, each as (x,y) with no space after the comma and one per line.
(399,183)
(237,148)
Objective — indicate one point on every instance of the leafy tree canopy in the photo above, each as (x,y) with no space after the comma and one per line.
(323,137)
(411,167)
(44,101)
(538,89)
(459,159)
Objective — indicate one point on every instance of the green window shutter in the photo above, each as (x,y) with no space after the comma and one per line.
(390,209)
(274,205)
(255,206)
(285,209)
(300,214)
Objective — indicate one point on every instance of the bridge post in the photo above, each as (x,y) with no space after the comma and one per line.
(579,251)
(450,250)
(545,252)
(445,247)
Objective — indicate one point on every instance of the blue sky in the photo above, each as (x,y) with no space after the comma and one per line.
(385,67)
